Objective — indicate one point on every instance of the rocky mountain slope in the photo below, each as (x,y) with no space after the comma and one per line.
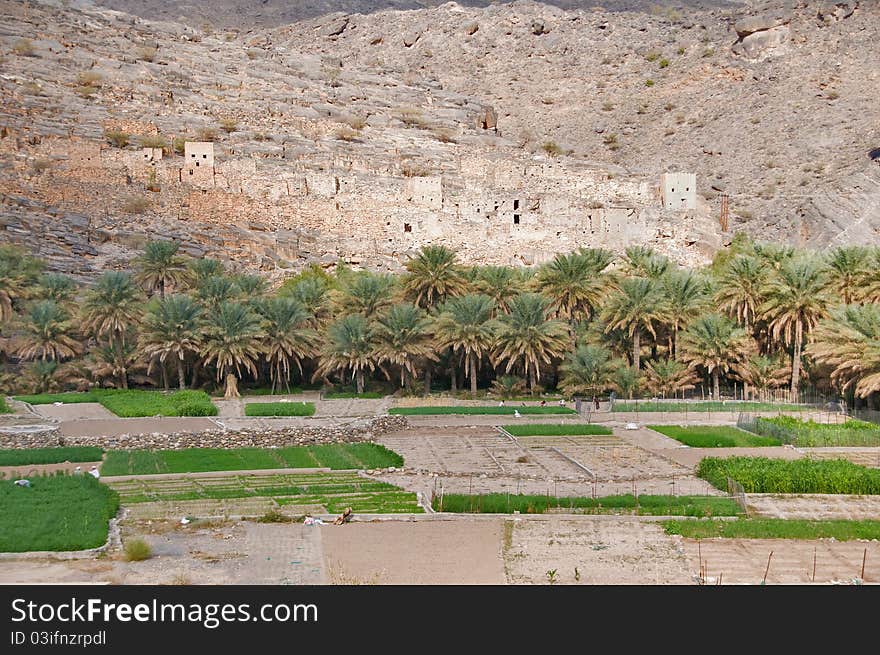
(510,132)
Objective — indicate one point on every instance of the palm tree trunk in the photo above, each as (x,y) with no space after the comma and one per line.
(162,288)
(195,374)
(637,348)
(231,387)
(796,361)
(427,379)
(454,376)
(164,376)
(716,383)
(181,378)
(120,363)
(359,380)
(531,373)
(473,375)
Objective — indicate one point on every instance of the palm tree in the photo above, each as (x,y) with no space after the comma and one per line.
(797,298)
(201,269)
(159,266)
(57,287)
(172,328)
(685,298)
(715,343)
(117,361)
(47,333)
(465,325)
(773,255)
(500,283)
(848,268)
(41,376)
(575,282)
(669,376)
(587,371)
(871,291)
(763,373)
(109,309)
(529,336)
(288,337)
(741,290)
(366,293)
(634,308)
(403,338)
(250,287)
(312,294)
(626,380)
(232,342)
(350,346)
(508,386)
(643,261)
(849,340)
(215,290)
(18,270)
(432,276)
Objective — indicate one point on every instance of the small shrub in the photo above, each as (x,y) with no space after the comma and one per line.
(412,169)
(178,144)
(832,95)
(652,56)
(708,53)
(345,134)
(117,138)
(610,140)
(206,134)
(356,122)
(681,51)
(137,550)
(146,53)
(274,516)
(86,91)
(664,63)
(90,78)
(411,117)
(24,48)
(136,205)
(153,141)
(551,148)
(669,106)
(607,106)
(445,136)
(228,125)
(649,82)
(40,165)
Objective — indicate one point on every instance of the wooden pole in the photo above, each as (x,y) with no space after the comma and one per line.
(767,570)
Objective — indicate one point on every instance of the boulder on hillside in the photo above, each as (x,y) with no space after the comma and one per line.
(832,12)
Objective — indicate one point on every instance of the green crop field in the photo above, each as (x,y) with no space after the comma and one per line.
(489,410)
(626,504)
(555,430)
(279,409)
(196,460)
(807,434)
(701,406)
(801,476)
(335,491)
(775,529)
(131,403)
(23,456)
(714,436)
(60,512)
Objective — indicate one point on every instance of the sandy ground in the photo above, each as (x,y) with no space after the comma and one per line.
(115,427)
(815,506)
(863,456)
(745,560)
(418,552)
(44,469)
(592,550)
(74,411)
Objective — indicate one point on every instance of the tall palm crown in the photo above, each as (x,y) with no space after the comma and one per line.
(232,342)
(172,328)
(17,272)
(47,333)
(112,306)
(669,376)
(849,340)
(575,282)
(643,261)
(159,266)
(215,290)
(366,293)
(848,269)
(403,339)
(433,275)
(57,287)
(464,324)
(715,343)
(685,297)
(528,336)
(797,298)
(636,307)
(313,294)
(201,269)
(500,283)
(350,346)
(288,336)
(588,370)
(741,290)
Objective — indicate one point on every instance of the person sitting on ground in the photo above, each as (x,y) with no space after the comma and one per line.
(543,403)
(345,517)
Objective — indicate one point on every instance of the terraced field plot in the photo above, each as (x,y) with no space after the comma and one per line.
(863,456)
(256,494)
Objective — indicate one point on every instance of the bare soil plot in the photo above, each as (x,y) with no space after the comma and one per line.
(417,552)
(74,411)
(116,427)
(814,506)
(744,561)
(863,456)
(605,550)
(690,457)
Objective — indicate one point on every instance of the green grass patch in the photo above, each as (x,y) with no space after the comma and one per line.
(60,512)
(626,504)
(200,460)
(130,403)
(279,409)
(4,406)
(775,529)
(502,411)
(19,457)
(811,434)
(800,476)
(714,436)
(702,406)
(555,429)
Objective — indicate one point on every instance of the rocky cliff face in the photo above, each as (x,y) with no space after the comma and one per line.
(509,132)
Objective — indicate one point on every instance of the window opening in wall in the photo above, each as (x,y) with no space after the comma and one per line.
(516,219)
(204,156)
(515,205)
(197,163)
(407,227)
(190,171)
(673,189)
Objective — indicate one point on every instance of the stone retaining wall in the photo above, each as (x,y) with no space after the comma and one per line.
(245,437)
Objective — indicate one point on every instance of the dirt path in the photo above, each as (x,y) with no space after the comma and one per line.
(74,411)
(417,552)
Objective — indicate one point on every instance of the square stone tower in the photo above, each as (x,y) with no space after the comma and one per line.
(679,190)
